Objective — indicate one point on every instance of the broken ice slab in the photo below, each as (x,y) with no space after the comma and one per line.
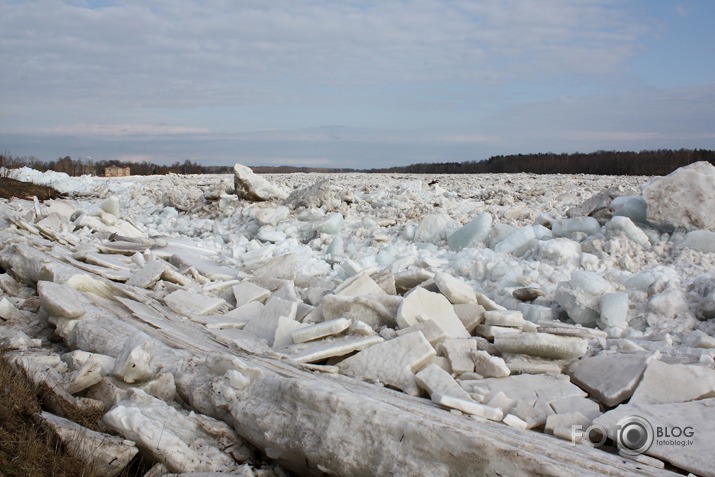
(281,267)
(585,406)
(12,338)
(105,454)
(502,401)
(580,296)
(254,188)
(456,290)
(187,303)
(183,442)
(315,351)
(11,313)
(614,309)
(687,431)
(134,362)
(470,314)
(408,279)
(683,198)
(221,322)
(246,292)
(469,407)
(108,273)
(566,227)
(620,226)
(516,422)
(330,224)
(276,322)
(77,358)
(518,242)
(359,284)
(115,262)
(149,274)
(89,374)
(320,330)
(610,378)
(421,305)
(487,302)
(543,345)
(61,300)
(434,334)
(554,327)
(529,387)
(123,248)
(525,364)
(248,311)
(490,331)
(561,425)
(508,318)
(471,234)
(385,279)
(701,240)
(204,266)
(489,366)
(392,362)
(375,310)
(434,379)
(459,354)
(664,383)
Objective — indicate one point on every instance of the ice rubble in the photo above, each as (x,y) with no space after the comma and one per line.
(525,315)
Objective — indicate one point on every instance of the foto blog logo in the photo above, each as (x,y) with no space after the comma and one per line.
(633,435)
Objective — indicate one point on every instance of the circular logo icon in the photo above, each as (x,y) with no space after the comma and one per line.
(634,436)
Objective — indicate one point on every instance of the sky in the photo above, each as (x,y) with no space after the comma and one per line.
(348,83)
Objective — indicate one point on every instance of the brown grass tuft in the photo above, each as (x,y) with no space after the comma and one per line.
(26,450)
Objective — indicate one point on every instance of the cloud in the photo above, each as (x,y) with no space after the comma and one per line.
(167,54)
(125,129)
(469,138)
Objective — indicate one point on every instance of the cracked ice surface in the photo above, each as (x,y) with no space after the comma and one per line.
(503,297)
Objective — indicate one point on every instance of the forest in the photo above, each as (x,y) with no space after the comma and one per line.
(646,162)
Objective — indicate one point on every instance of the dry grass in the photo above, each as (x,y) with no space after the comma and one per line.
(26,450)
(14,188)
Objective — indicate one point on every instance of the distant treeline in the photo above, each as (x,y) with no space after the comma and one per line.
(647,163)
(79,167)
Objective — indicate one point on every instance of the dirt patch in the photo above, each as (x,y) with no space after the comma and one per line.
(26,190)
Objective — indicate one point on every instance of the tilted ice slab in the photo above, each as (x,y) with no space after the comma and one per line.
(422,305)
(188,303)
(393,362)
(252,187)
(610,378)
(662,383)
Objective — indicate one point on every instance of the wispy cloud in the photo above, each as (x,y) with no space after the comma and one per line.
(409,80)
(124,129)
(184,54)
